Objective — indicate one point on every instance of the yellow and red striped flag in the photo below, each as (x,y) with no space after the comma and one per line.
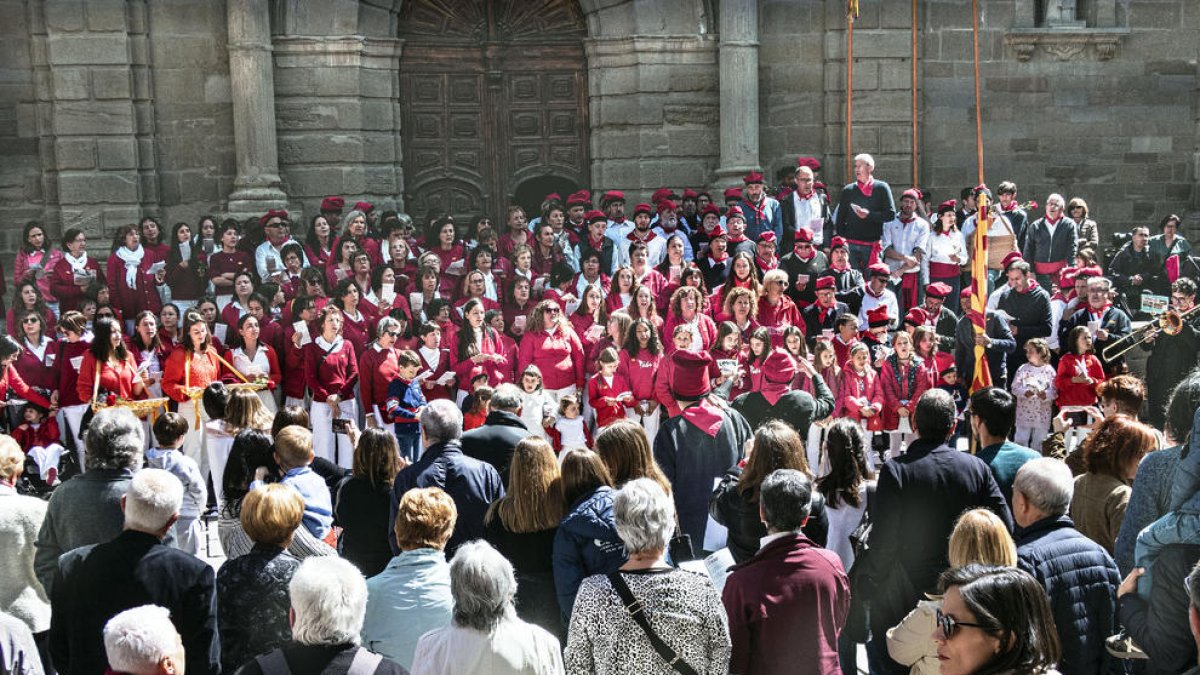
(978,306)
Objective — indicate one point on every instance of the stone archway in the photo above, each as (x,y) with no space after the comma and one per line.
(493,96)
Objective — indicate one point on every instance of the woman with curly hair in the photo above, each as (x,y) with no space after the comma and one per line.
(1111,454)
(551,344)
(640,358)
(687,308)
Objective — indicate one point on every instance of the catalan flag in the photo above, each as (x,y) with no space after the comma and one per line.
(978,306)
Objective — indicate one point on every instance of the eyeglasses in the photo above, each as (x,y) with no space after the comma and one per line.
(29,320)
(949,625)
(804,246)
(552,310)
(395,334)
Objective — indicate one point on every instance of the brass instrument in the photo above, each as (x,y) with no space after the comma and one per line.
(1169,322)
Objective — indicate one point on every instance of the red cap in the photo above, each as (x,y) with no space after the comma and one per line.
(661,194)
(1067,277)
(594,215)
(553,197)
(643,208)
(717,231)
(948,205)
(733,193)
(804,234)
(877,316)
(753,177)
(917,317)
(779,367)
(689,193)
(689,379)
(825,282)
(365,207)
(711,208)
(667,205)
(767,237)
(811,162)
(612,196)
(964,293)
(879,269)
(333,204)
(273,213)
(1089,271)
(938,290)
(1010,259)
(580,198)
(912,192)
(818,185)
(734,212)
(837,242)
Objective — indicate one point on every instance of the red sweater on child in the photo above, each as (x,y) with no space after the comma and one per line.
(609,411)
(1074,393)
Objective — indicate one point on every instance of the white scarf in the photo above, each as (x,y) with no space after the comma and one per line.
(329,347)
(432,356)
(78,265)
(132,260)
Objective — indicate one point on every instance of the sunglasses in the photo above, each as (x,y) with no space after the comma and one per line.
(949,626)
(30,319)
(395,334)
(552,311)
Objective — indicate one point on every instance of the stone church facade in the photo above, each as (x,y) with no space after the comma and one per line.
(114,109)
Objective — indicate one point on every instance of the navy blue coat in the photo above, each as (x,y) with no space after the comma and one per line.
(586,543)
(1161,626)
(1081,580)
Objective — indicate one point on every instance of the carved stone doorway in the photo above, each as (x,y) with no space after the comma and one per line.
(493,96)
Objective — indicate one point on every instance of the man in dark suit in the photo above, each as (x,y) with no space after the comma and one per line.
(95,583)
(495,441)
(823,314)
(997,340)
(919,497)
(1111,322)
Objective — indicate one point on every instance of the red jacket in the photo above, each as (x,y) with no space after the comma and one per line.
(639,373)
(329,373)
(376,370)
(498,371)
(912,381)
(144,294)
(708,331)
(118,380)
(559,355)
(62,283)
(357,331)
(68,375)
(29,438)
(779,316)
(41,373)
(10,378)
(853,389)
(608,412)
(1073,393)
(293,365)
(204,370)
(431,390)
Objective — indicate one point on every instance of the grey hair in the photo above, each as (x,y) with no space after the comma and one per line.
(114,440)
(1055,197)
(786,499)
(645,516)
(442,421)
(138,639)
(1047,484)
(352,215)
(483,585)
(864,157)
(1100,281)
(507,397)
(385,324)
(329,598)
(154,495)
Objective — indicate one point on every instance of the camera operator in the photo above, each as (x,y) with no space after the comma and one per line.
(1133,269)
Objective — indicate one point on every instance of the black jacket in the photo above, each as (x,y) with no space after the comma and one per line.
(1003,344)
(1113,320)
(739,514)
(1161,626)
(798,408)
(1081,580)
(794,266)
(95,583)
(919,497)
(1128,263)
(495,441)
(813,323)
(361,510)
(321,660)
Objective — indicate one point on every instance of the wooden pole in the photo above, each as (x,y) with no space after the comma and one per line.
(915,156)
(978,107)
(849,97)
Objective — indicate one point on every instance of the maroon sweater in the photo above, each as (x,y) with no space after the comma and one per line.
(330,373)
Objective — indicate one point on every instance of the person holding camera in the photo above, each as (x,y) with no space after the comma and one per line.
(1134,270)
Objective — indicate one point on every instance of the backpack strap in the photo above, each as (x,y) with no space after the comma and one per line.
(637,612)
(273,663)
(364,662)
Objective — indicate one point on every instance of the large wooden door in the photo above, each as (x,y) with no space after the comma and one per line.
(494,95)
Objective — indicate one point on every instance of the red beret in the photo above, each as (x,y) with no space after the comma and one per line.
(689,193)
(553,197)
(578,199)
(879,269)
(717,231)
(779,368)
(916,316)
(661,194)
(818,185)
(811,162)
(612,196)
(964,293)
(273,213)
(733,193)
(804,235)
(365,207)
(1089,271)
(333,204)
(767,237)
(938,290)
(734,212)
(1010,259)
(948,205)
(837,242)
(594,215)
(689,379)
(711,208)
(753,177)
(667,205)
(825,282)
(643,208)
(877,316)
(912,192)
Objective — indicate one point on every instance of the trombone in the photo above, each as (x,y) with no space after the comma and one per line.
(1169,322)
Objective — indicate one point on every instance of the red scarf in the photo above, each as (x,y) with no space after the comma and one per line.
(596,243)
(1012,206)
(715,259)
(739,240)
(741,283)
(812,253)
(873,294)
(1054,221)
(705,416)
(1098,314)
(632,236)
(759,209)
(910,219)
(766,266)
(866,188)
(619,220)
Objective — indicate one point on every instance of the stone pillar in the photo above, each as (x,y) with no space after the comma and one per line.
(739,89)
(252,87)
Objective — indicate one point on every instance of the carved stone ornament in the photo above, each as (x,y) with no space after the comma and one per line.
(1066,44)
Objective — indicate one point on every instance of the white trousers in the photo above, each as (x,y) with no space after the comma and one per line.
(73,416)
(1028,435)
(818,461)
(194,442)
(333,447)
(649,422)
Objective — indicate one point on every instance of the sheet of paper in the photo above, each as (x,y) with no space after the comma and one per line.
(458,267)
(416,301)
(301,327)
(77,363)
(221,331)
(387,295)
(717,566)
(594,333)
(157,267)
(446,378)
(520,320)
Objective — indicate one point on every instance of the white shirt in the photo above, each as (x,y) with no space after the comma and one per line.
(511,648)
(905,239)
(267,251)
(808,210)
(871,302)
(942,246)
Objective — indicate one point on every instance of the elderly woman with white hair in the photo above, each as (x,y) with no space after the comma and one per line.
(143,641)
(329,600)
(647,615)
(486,636)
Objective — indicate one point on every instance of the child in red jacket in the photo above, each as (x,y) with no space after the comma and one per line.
(1079,371)
(608,391)
(860,394)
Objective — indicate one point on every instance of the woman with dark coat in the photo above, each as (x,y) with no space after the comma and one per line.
(735,502)
(363,502)
(586,542)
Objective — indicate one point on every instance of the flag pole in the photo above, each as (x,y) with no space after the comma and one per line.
(851,15)
(983,219)
(915,157)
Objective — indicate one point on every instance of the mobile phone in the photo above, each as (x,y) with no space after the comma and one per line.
(341,425)
(1077,419)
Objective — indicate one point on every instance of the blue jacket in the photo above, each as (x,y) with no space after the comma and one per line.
(1081,580)
(403,399)
(409,598)
(586,543)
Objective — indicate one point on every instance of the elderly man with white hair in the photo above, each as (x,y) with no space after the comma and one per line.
(1078,574)
(486,636)
(1106,322)
(95,583)
(1051,242)
(329,600)
(87,509)
(472,484)
(143,641)
(865,205)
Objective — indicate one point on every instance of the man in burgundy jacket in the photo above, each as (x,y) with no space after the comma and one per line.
(787,604)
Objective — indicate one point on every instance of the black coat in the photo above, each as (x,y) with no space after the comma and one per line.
(1081,580)
(813,324)
(495,441)
(95,583)
(1031,317)
(1128,263)
(794,266)
(361,510)
(739,514)
(1172,357)
(920,495)
(1003,344)
(797,408)
(1113,320)
(1161,626)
